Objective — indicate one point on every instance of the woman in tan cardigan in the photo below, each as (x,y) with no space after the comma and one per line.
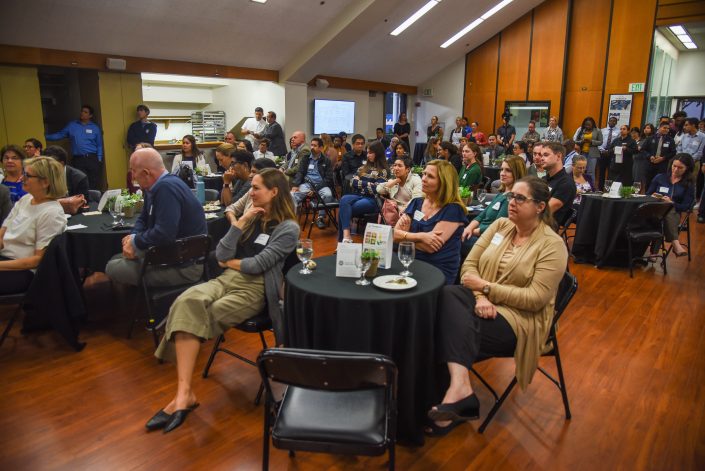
(506,301)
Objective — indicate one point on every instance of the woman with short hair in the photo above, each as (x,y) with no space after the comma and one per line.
(12,165)
(583,182)
(589,137)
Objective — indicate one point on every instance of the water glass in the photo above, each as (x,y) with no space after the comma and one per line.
(608,185)
(304,250)
(481,195)
(636,186)
(363,264)
(406,254)
(115,209)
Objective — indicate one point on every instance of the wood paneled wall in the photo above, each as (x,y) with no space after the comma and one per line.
(573,53)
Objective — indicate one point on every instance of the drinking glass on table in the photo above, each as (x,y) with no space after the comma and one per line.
(636,187)
(115,209)
(363,264)
(481,195)
(304,250)
(406,254)
(608,185)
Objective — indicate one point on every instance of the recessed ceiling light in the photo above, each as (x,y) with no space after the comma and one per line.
(677,30)
(476,23)
(690,45)
(259,1)
(684,38)
(413,18)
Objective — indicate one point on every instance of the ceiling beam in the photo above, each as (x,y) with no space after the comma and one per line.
(354,84)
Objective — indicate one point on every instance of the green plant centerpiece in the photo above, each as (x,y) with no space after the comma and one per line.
(131,203)
(418,170)
(373,256)
(465,195)
(626,191)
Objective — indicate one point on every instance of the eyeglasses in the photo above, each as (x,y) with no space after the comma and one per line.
(28,146)
(26,175)
(11,157)
(520,199)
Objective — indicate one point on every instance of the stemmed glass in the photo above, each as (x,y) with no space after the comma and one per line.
(115,209)
(481,195)
(406,254)
(304,250)
(636,186)
(363,264)
(608,185)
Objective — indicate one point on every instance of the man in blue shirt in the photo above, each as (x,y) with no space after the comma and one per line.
(141,130)
(315,174)
(86,145)
(170,212)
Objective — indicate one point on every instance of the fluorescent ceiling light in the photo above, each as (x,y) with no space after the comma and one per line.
(684,38)
(677,30)
(413,18)
(496,8)
(690,45)
(260,1)
(476,23)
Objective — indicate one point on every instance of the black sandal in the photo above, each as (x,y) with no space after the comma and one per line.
(463,410)
(434,430)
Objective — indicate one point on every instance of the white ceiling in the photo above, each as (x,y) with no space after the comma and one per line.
(299,38)
(696,32)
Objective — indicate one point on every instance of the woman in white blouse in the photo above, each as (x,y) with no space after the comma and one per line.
(404,187)
(33,222)
(189,153)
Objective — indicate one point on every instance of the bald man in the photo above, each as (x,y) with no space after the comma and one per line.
(298,149)
(170,212)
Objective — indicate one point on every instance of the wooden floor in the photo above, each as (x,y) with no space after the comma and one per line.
(633,350)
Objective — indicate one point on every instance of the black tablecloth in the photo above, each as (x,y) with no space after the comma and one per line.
(492,172)
(329,313)
(92,246)
(214,183)
(600,233)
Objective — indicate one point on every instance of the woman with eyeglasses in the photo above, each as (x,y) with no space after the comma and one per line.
(12,163)
(33,222)
(505,302)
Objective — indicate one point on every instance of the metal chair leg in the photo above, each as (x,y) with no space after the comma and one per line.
(561,379)
(216,349)
(497,405)
(631,260)
(10,323)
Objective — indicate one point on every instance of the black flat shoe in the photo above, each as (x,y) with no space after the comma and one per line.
(178,417)
(435,430)
(463,410)
(159,420)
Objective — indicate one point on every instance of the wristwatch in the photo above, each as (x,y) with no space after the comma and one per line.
(486,289)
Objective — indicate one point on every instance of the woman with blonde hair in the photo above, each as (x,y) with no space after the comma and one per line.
(252,254)
(33,222)
(552,133)
(435,222)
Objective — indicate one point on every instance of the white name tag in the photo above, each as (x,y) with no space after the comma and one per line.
(496,206)
(663,189)
(497,239)
(550,190)
(418,215)
(89,131)
(262,239)
(310,166)
(666,144)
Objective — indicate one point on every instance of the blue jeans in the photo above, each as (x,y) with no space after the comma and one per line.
(353,205)
(325,194)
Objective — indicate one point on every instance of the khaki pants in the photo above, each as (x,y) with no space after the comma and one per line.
(209,309)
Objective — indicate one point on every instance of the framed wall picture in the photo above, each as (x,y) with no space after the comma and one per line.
(621,108)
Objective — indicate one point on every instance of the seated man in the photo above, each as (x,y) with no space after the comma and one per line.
(298,149)
(76,182)
(560,184)
(171,211)
(352,161)
(236,179)
(315,174)
(263,152)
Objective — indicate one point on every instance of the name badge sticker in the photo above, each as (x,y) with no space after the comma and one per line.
(89,131)
(663,189)
(666,144)
(310,166)
(418,215)
(497,239)
(262,239)
(496,206)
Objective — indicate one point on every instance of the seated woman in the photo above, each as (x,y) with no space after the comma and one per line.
(33,222)
(189,153)
(520,149)
(512,169)
(12,161)
(252,253)
(583,181)
(471,170)
(434,223)
(505,302)
(449,153)
(401,150)
(431,151)
(401,189)
(675,187)
(364,188)
(391,152)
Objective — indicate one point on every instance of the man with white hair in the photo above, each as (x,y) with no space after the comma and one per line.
(170,212)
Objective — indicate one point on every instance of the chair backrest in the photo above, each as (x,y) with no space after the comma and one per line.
(566,290)
(212,195)
(182,251)
(327,370)
(94,196)
(649,214)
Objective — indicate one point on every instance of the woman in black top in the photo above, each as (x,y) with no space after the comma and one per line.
(434,130)
(402,129)
(622,172)
(449,153)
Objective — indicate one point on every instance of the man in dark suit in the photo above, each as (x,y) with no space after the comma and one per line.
(382,138)
(660,149)
(76,182)
(274,132)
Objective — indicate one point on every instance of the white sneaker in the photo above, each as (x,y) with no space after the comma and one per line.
(348,241)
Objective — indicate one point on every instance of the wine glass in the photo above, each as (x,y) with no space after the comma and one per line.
(115,209)
(608,185)
(304,250)
(481,195)
(406,254)
(636,186)
(363,264)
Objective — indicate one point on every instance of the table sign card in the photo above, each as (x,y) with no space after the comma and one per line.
(486,159)
(618,157)
(379,237)
(346,258)
(107,195)
(614,189)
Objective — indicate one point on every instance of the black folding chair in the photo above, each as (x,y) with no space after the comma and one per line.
(566,291)
(315,204)
(94,196)
(335,402)
(564,229)
(9,300)
(684,226)
(183,252)
(646,226)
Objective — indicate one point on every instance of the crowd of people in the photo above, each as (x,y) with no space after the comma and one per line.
(504,264)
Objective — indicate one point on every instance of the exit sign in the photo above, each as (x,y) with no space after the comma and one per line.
(636,87)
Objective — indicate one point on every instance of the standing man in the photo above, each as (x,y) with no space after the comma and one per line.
(141,130)
(254,126)
(506,133)
(693,143)
(344,141)
(660,149)
(315,174)
(352,161)
(531,136)
(33,147)
(275,134)
(610,133)
(560,184)
(493,148)
(86,145)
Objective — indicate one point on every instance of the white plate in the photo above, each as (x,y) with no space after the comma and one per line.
(383,282)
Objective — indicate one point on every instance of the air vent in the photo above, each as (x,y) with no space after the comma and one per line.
(427,92)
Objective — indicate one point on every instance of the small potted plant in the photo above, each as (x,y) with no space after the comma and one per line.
(373,256)
(418,170)
(128,206)
(465,195)
(626,191)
